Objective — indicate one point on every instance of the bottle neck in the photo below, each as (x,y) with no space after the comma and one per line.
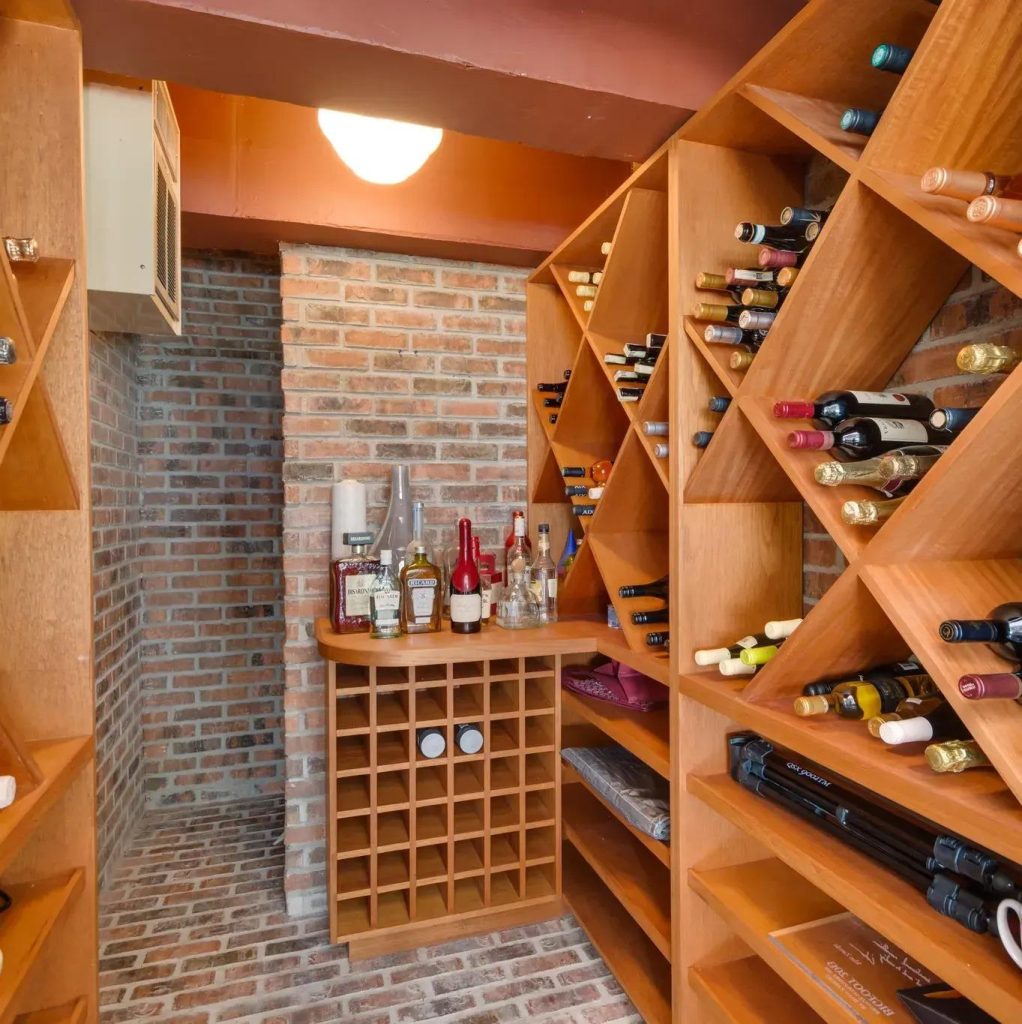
(418,527)
(868,472)
(465,540)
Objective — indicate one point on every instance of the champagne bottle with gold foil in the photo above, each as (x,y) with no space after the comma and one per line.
(761,298)
(869,513)
(741,360)
(969,185)
(716,312)
(893,473)
(876,694)
(786,276)
(954,756)
(986,357)
(998,213)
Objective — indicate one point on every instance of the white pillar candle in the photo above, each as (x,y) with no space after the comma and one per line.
(349,515)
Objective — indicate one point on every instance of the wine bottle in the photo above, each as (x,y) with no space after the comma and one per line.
(431,741)
(860,121)
(702,438)
(598,472)
(986,357)
(568,555)
(553,403)
(759,655)
(910,707)
(643,351)
(659,639)
(834,407)
(650,618)
(812,232)
(719,403)
(662,450)
(802,216)
(761,298)
(620,359)
(736,667)
(626,377)
(716,312)
(754,277)
(939,724)
(1001,631)
(821,687)
(583,511)
(644,369)
(576,491)
(862,699)
(605,248)
(656,428)
(587,305)
(954,756)
(893,473)
(777,236)
(595,492)
(717,283)
(655,340)
(889,57)
(779,629)
(787,276)
(630,394)
(718,334)
(715,655)
(778,259)
(756,320)
(741,360)
(466,590)
(952,420)
(8,352)
(559,387)
(869,513)
(863,437)
(597,276)
(991,686)
(544,578)
(6,411)
(579,276)
(998,213)
(657,588)
(585,291)
(552,417)
(969,185)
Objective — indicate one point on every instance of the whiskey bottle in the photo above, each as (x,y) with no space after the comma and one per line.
(869,513)
(969,185)
(986,357)
(998,213)
(834,407)
(1001,631)
(954,756)
(8,352)
(385,601)
(420,594)
(351,579)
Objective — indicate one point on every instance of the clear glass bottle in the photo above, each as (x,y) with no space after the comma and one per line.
(397,527)
(385,601)
(420,595)
(519,553)
(544,579)
(351,579)
(517,607)
(418,536)
(485,563)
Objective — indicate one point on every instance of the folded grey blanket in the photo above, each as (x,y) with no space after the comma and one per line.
(641,795)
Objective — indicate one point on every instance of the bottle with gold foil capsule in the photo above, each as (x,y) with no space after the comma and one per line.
(869,513)
(893,473)
(786,276)
(969,185)
(741,360)
(986,357)
(718,283)
(998,213)
(761,298)
(716,312)
(876,694)
(954,756)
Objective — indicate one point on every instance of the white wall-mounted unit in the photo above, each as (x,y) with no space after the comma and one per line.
(133,206)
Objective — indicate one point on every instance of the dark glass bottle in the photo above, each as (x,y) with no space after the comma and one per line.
(559,387)
(659,639)
(952,421)
(6,411)
(466,592)
(1001,631)
(553,403)
(777,236)
(834,407)
(719,403)
(863,438)
(802,217)
(941,723)
(889,57)
(860,121)
(778,259)
(702,438)
(351,580)
(657,588)
(716,312)
(651,618)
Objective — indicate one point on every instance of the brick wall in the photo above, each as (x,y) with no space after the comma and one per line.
(387,359)
(117,596)
(210,450)
(979,309)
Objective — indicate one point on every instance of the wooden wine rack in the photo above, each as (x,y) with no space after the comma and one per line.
(726,521)
(47,836)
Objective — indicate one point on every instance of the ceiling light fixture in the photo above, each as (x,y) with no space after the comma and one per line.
(378,150)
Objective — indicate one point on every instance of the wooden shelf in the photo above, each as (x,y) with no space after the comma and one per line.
(646,734)
(760,897)
(971,963)
(636,962)
(74,1012)
(637,880)
(748,992)
(25,927)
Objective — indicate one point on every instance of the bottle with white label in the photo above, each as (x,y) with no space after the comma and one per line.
(420,594)
(351,579)
(385,601)
(834,407)
(466,592)
(544,578)
(864,438)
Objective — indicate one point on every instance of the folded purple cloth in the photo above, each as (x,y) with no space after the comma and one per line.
(616,683)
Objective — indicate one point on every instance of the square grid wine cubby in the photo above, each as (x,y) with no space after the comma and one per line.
(416,839)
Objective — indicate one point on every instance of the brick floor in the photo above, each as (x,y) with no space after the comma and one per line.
(193,931)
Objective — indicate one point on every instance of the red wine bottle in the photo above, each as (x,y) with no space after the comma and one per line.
(860,121)
(650,618)
(790,238)
(801,217)
(778,259)
(559,387)
(991,686)
(658,588)
(1001,631)
(952,421)
(466,592)
(863,438)
(834,407)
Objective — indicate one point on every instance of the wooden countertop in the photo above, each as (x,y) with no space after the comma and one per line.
(573,636)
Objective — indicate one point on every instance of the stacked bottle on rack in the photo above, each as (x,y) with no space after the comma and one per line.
(584,485)
(553,394)
(635,365)
(659,590)
(751,653)
(888,57)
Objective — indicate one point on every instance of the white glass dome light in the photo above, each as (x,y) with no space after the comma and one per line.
(379,150)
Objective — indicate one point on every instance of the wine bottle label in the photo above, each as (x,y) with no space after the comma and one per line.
(880,397)
(466,607)
(902,431)
(356,594)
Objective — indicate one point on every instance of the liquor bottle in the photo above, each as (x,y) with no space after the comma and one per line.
(718,334)
(778,259)
(517,553)
(544,578)
(466,592)
(651,618)
(889,57)
(702,438)
(553,403)
(418,536)
(780,629)
(385,601)
(510,538)
(21,250)
(954,756)
(860,121)
(834,407)
(869,513)
(877,694)
(1001,631)
(351,579)
(657,588)
(583,511)
(567,559)
(656,428)
(777,236)
(969,185)
(756,320)
(863,437)
(559,387)
(579,276)
(952,420)
(761,298)
(986,357)
(802,217)
(893,473)
(939,724)
(598,472)
(6,411)
(758,655)
(910,707)
(421,600)
(998,213)
(715,655)
(716,312)
(431,742)
(662,450)
(719,403)
(517,608)
(469,737)
(741,360)
(659,639)
(630,394)
(991,686)
(487,565)
(8,352)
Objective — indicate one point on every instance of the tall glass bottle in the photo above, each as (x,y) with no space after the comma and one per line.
(418,536)
(466,598)
(397,527)
(420,595)
(385,601)
(518,555)
(510,539)
(544,576)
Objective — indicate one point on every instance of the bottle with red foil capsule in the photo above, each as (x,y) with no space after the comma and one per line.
(487,564)
(777,259)
(351,579)
(466,596)
(864,438)
(834,407)
(992,686)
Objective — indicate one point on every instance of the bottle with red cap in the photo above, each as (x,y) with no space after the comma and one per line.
(992,686)
(834,407)
(864,438)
